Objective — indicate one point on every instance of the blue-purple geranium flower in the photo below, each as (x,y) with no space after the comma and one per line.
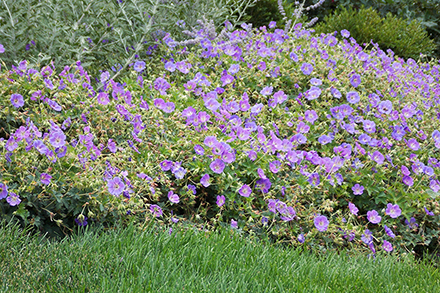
(13,199)
(373,217)
(393,211)
(17,100)
(115,186)
(321,223)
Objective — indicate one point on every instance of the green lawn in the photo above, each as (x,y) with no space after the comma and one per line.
(129,260)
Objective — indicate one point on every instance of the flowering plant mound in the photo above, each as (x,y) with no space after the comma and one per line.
(301,137)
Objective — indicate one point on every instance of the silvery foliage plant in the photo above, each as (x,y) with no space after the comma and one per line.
(107,34)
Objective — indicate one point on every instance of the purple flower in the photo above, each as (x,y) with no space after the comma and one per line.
(367,237)
(321,223)
(220,200)
(111,145)
(378,157)
(103,98)
(169,107)
(267,91)
(48,83)
(244,105)
(159,103)
(156,210)
(139,66)
(324,139)
(408,180)
(389,231)
(261,173)
(11,144)
(256,109)
(405,170)
(17,100)
(357,189)
(13,199)
(205,180)
(183,67)
(307,68)
(212,104)
(280,97)
(436,135)
(104,76)
(314,179)
(199,150)
(2,49)
(203,116)
(355,80)
(115,186)
(54,105)
(40,146)
(179,172)
(301,238)
(166,165)
(428,212)
(369,126)
(275,166)
(170,66)
(234,224)
(192,188)
(243,133)
(228,157)
(217,166)
(311,116)
(393,210)
(315,81)
(385,107)
(263,185)
(353,97)
(411,223)
(161,85)
(81,220)
(353,209)
(174,198)
(226,79)
(336,93)
(345,33)
(233,69)
(413,144)
(302,127)
(45,178)
(245,190)
(387,246)
(252,155)
(373,217)
(313,93)
(210,141)
(57,139)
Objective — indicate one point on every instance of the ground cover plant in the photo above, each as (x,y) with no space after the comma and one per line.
(151,260)
(277,133)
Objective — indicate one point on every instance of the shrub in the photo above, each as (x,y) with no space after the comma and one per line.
(406,39)
(263,12)
(100,34)
(303,139)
